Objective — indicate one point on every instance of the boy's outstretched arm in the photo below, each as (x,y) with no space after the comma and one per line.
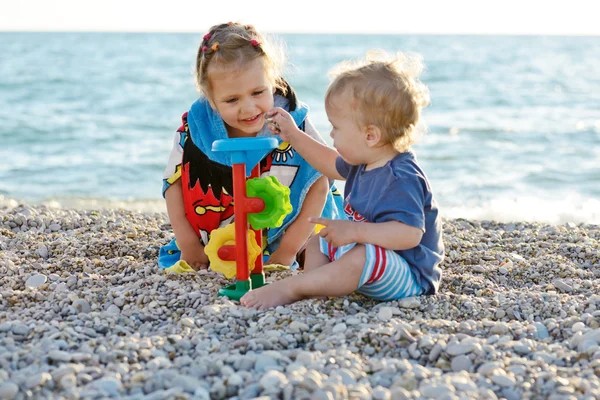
(192,250)
(320,156)
(391,235)
(300,230)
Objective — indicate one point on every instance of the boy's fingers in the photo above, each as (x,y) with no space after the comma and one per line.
(318,220)
(272,112)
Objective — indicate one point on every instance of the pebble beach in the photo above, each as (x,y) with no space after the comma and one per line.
(85,313)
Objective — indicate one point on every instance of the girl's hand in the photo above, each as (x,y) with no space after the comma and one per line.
(195,257)
(281,123)
(337,232)
(282,257)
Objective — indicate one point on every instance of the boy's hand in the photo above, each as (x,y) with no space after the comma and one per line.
(281,123)
(337,232)
(194,255)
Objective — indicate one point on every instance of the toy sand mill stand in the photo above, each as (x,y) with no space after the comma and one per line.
(258,203)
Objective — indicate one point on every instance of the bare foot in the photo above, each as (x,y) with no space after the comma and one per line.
(199,267)
(269,296)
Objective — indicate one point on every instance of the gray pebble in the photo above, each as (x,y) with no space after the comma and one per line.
(8,390)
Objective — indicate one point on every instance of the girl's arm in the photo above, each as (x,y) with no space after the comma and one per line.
(300,230)
(320,156)
(192,250)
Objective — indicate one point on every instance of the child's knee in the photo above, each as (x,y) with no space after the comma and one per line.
(357,256)
(313,242)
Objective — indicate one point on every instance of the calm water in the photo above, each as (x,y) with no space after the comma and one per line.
(87,119)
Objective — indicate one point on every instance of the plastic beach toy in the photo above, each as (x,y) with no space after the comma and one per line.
(260,203)
(276,198)
(222,242)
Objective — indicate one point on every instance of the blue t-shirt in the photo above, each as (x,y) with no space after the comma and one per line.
(398,191)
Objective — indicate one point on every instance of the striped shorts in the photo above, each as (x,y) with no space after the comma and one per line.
(386,275)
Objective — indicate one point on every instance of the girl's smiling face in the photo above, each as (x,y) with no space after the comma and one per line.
(241,95)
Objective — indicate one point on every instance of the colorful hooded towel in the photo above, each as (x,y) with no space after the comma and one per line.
(207,176)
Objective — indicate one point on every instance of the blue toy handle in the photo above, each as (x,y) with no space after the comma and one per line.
(247,151)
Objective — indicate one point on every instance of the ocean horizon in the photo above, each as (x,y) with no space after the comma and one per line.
(512,132)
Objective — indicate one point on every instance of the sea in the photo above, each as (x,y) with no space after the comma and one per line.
(512,132)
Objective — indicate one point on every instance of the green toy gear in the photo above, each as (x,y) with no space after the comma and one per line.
(277,202)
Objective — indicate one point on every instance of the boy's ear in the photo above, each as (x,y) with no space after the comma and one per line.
(373,136)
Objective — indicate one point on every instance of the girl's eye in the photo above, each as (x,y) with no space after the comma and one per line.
(231,100)
(257,93)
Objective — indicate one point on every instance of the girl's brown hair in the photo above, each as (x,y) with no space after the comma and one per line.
(233,45)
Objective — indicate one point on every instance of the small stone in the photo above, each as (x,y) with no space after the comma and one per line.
(305,358)
(385,313)
(119,302)
(455,349)
(61,287)
(8,390)
(479,269)
(264,363)
(297,326)
(562,286)
(38,380)
(522,349)
(503,380)
(273,381)
(188,322)
(82,306)
(21,329)
(112,309)
(541,331)
(59,356)
(235,380)
(68,381)
(339,328)
(36,281)
(577,327)
(321,394)
(410,302)
(429,390)
(381,393)
(461,363)
(110,386)
(5,327)
(54,227)
(42,251)
(202,393)
(489,368)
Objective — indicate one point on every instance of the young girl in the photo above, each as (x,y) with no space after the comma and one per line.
(239,76)
(390,246)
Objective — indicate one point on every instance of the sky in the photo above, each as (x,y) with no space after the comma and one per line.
(550,17)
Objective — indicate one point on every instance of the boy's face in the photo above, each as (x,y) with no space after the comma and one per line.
(349,138)
(241,96)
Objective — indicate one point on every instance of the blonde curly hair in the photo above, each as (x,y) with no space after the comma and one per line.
(384,91)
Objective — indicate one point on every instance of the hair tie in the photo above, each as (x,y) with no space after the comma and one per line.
(204,48)
(230,23)
(254,42)
(207,36)
(215,46)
